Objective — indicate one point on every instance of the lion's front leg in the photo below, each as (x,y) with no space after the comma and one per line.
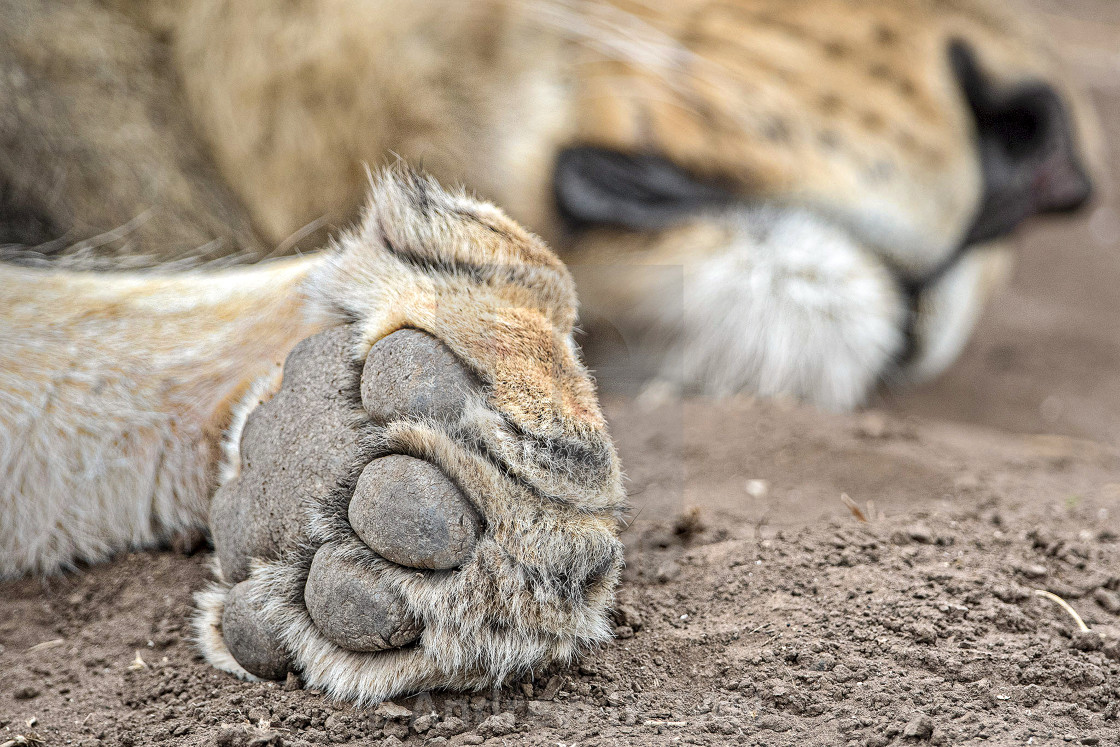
(430,498)
(115,389)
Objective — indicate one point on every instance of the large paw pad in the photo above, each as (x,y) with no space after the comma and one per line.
(405,513)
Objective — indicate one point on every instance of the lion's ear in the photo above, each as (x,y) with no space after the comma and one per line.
(597,186)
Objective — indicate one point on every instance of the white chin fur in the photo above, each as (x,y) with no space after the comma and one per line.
(792,307)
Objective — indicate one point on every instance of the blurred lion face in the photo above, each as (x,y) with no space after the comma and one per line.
(831,177)
(797,197)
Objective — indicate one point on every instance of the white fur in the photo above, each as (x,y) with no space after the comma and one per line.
(259,392)
(787,304)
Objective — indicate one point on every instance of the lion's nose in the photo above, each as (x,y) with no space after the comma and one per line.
(1027,149)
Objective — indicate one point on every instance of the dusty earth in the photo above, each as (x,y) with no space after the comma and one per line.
(757,607)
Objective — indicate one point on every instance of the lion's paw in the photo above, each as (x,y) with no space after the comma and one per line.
(415,513)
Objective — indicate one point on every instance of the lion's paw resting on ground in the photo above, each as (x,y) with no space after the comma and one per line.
(429,498)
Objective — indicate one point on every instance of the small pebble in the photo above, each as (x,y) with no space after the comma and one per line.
(668,571)
(390,711)
(497,725)
(1087,640)
(923,632)
(421,724)
(449,727)
(1109,600)
(758,488)
(920,533)
(919,727)
(624,614)
(1032,570)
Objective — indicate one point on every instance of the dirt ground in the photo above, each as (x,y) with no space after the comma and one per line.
(757,607)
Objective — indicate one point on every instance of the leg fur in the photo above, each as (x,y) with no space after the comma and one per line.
(114,392)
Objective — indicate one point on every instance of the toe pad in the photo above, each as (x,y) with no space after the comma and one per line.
(248,638)
(412,374)
(355,607)
(411,514)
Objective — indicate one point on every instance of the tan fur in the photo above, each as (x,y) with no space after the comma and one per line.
(250,121)
(113,406)
(144,133)
(760,93)
(98,155)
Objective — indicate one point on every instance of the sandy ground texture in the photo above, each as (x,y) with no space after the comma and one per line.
(757,606)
